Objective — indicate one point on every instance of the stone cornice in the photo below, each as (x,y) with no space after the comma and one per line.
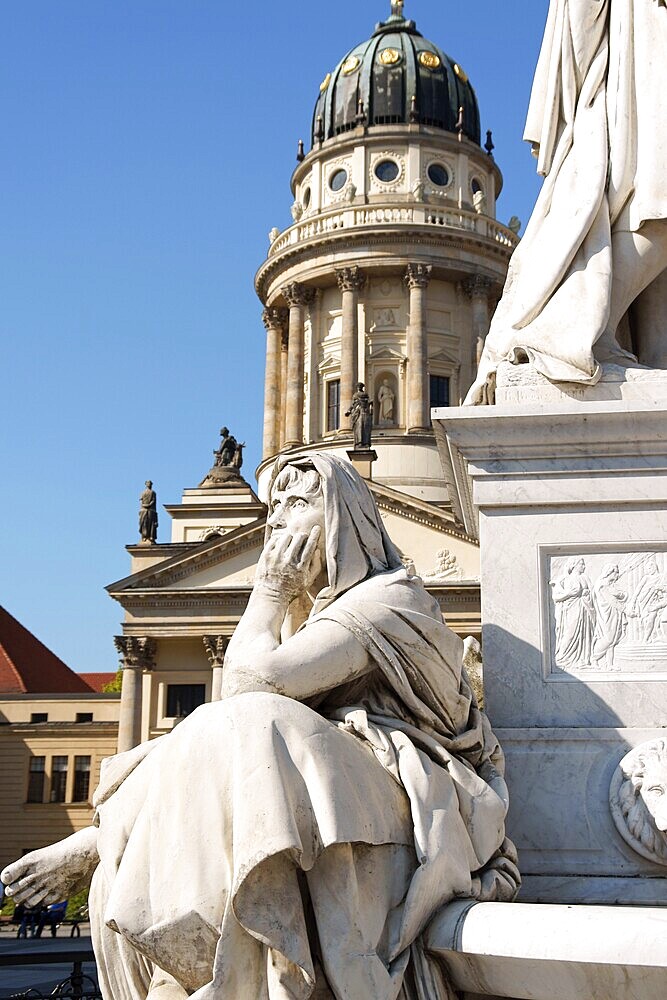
(417,240)
(418,511)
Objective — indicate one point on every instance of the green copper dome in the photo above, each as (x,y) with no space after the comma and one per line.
(397,77)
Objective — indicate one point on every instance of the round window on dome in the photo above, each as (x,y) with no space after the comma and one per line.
(338,180)
(476,186)
(438,174)
(306,198)
(387,171)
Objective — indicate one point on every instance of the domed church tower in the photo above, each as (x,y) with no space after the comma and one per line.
(394,262)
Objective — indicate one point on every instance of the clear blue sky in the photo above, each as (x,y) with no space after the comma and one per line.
(147,147)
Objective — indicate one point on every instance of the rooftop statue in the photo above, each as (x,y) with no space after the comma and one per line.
(596,244)
(228,459)
(148,514)
(345,788)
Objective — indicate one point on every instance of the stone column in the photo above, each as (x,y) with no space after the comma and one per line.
(137,654)
(477,287)
(417,277)
(216,647)
(297,297)
(350,281)
(274,321)
(283,385)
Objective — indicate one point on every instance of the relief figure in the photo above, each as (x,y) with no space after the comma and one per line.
(575,616)
(608,602)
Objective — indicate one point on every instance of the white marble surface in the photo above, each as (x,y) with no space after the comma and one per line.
(258,824)
(573,538)
(560,816)
(596,242)
(545,952)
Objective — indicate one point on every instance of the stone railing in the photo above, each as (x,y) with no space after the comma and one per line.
(351,218)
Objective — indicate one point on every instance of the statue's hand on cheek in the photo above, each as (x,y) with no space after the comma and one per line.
(289,563)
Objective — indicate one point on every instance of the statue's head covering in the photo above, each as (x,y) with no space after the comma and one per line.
(357,545)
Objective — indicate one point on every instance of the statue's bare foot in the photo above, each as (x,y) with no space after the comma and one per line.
(53,873)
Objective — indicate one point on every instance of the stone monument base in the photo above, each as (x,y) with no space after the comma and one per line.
(362,459)
(221,476)
(569,500)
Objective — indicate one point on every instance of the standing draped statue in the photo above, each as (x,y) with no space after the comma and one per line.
(298,835)
(148,513)
(596,244)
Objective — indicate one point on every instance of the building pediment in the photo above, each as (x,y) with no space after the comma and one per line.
(224,562)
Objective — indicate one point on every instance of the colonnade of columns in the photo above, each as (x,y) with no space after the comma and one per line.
(284,381)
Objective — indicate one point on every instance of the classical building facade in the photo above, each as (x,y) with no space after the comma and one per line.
(388,277)
(56,727)
(394,263)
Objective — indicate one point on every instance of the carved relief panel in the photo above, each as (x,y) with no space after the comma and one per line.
(605,612)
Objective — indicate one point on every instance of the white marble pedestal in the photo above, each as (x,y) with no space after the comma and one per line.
(570,500)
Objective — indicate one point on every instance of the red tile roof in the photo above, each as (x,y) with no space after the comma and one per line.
(28,667)
(97,681)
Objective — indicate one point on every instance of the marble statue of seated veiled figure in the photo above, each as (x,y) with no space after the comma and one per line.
(294,839)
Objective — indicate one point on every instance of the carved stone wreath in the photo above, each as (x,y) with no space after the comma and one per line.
(638,800)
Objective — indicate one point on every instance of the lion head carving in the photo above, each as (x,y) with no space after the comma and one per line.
(638,799)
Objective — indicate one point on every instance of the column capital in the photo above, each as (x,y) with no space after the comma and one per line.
(216,647)
(296,294)
(477,284)
(350,279)
(274,319)
(417,275)
(136,652)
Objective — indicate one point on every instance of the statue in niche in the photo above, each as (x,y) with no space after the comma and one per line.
(596,244)
(344,788)
(575,615)
(361,412)
(386,397)
(148,514)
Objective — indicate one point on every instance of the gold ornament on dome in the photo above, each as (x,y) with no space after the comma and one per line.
(461,73)
(429,59)
(325,83)
(350,65)
(389,57)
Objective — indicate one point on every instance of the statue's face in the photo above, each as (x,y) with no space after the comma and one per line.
(295,512)
(654,793)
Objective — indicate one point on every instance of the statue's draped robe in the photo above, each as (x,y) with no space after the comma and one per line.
(598,121)
(384,796)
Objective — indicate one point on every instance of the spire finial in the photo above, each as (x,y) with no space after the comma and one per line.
(397,8)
